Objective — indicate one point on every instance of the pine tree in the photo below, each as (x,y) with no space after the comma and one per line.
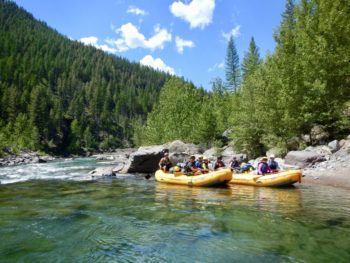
(251,59)
(232,68)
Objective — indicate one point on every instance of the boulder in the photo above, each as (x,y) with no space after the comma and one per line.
(181,147)
(211,153)
(334,145)
(303,159)
(306,138)
(318,135)
(102,172)
(342,143)
(177,147)
(144,160)
(178,157)
(277,152)
(118,168)
(320,149)
(228,152)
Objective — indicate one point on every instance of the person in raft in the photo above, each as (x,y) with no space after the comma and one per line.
(190,167)
(263,166)
(205,165)
(165,163)
(219,164)
(199,162)
(234,164)
(273,164)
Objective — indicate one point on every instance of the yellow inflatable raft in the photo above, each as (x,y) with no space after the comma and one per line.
(215,178)
(282,178)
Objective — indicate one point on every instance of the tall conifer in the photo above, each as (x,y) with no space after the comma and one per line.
(232,68)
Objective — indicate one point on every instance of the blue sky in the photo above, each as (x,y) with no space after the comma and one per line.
(185,37)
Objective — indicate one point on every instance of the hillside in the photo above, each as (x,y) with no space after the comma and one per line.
(61,96)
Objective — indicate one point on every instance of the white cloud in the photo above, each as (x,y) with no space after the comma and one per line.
(131,38)
(136,11)
(92,41)
(181,43)
(89,40)
(216,66)
(235,32)
(156,64)
(199,13)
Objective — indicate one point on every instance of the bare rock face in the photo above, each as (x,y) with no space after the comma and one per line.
(303,159)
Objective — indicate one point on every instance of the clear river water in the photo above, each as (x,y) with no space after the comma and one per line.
(55,212)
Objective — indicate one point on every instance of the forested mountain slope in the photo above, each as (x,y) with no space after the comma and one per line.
(59,95)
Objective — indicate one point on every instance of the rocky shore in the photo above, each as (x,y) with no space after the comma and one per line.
(327,164)
(25,158)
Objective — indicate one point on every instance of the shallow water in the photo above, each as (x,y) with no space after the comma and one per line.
(72,218)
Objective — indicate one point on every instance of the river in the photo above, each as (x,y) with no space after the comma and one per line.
(55,212)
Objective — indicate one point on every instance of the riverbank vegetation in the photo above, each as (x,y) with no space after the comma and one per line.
(61,96)
(272,102)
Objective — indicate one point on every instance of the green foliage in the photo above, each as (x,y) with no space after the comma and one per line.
(232,68)
(74,97)
(251,59)
(188,114)
(303,84)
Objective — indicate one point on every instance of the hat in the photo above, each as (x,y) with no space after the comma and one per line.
(272,156)
(205,158)
(264,158)
(200,157)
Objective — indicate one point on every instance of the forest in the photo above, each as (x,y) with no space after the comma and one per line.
(58,95)
(270,103)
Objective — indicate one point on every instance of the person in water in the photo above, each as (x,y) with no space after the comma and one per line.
(219,164)
(191,168)
(165,163)
(263,167)
(273,164)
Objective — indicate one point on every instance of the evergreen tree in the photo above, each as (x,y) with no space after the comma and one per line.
(232,68)
(251,59)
